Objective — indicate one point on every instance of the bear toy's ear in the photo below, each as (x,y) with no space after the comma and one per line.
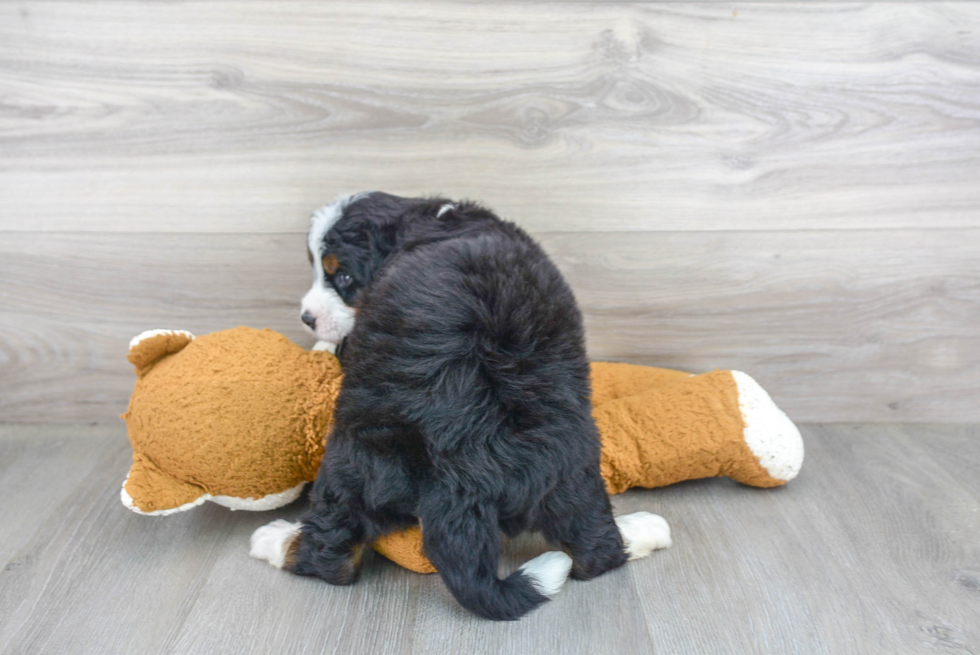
(151,346)
(148,490)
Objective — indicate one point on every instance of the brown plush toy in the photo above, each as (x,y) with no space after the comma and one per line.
(239,417)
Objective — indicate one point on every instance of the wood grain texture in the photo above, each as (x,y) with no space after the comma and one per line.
(863,325)
(599,116)
(880,325)
(947,448)
(71,303)
(872,549)
(789,188)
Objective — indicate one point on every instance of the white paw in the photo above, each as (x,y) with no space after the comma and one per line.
(548,571)
(643,533)
(325,345)
(271,542)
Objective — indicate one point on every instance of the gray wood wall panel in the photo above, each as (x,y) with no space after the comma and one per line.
(789,188)
(224,116)
(877,326)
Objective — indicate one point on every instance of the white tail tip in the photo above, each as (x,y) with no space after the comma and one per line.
(548,571)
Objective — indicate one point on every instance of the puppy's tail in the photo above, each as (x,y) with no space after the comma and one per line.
(464,544)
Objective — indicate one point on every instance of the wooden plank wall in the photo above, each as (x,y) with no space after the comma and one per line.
(787,188)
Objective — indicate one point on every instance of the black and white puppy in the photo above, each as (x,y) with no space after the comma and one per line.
(465,405)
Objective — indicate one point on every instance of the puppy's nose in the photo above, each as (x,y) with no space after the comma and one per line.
(309,319)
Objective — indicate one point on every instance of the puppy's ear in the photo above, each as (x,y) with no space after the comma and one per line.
(383,240)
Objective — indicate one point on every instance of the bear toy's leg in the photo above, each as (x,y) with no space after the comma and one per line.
(718,423)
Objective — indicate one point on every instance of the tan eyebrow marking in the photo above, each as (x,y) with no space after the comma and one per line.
(330,264)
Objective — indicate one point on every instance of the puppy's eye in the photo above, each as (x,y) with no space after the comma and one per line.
(342,280)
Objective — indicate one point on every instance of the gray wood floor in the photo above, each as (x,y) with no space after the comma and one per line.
(875,548)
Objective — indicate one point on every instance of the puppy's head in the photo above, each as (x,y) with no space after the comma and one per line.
(348,243)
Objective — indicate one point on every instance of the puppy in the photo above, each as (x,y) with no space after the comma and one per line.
(465,405)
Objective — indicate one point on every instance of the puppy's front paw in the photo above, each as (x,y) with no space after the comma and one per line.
(273,542)
(643,533)
(325,345)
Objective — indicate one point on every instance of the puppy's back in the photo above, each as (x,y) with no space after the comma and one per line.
(482,321)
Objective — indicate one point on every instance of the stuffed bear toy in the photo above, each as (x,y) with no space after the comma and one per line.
(240,418)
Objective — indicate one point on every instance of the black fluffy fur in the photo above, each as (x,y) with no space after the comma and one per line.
(465,404)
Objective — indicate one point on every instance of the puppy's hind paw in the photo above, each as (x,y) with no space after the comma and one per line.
(643,533)
(274,542)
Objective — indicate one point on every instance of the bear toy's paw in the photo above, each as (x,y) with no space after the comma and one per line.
(771,436)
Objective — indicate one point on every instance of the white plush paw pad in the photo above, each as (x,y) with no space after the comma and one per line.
(548,571)
(771,436)
(271,542)
(643,533)
(320,346)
